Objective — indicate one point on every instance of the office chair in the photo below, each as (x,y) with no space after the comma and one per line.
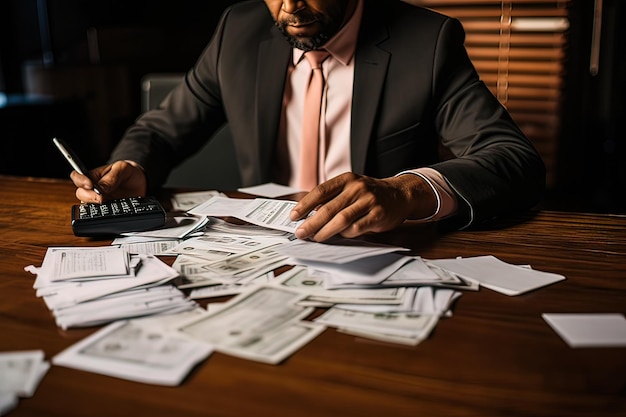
(215,165)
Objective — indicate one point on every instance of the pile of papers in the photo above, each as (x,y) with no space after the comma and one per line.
(369,290)
(145,351)
(87,286)
(20,374)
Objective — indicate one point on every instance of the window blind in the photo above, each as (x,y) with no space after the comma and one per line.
(519,49)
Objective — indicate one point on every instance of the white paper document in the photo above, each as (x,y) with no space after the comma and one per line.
(277,343)
(21,372)
(164,299)
(424,301)
(146,245)
(225,243)
(127,350)
(589,330)
(410,328)
(264,324)
(217,225)
(269,213)
(499,276)
(100,300)
(270,190)
(188,200)
(238,268)
(336,250)
(273,214)
(153,272)
(367,271)
(219,206)
(8,401)
(66,263)
(218,290)
(299,279)
(176,227)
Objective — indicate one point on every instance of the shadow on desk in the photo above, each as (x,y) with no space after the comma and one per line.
(423,238)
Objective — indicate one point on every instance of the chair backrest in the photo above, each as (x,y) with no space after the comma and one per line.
(214,166)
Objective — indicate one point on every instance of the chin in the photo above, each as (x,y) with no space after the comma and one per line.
(305,43)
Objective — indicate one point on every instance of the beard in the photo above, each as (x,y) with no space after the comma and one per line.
(305,44)
(330,24)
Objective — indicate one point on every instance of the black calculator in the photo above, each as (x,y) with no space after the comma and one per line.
(114,217)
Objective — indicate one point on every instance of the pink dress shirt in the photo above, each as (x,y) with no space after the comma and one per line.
(338,70)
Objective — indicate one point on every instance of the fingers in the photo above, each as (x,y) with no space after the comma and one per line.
(352,205)
(320,195)
(84,188)
(345,205)
(120,179)
(109,178)
(88,196)
(334,218)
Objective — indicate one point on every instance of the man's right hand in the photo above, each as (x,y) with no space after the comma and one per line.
(117,180)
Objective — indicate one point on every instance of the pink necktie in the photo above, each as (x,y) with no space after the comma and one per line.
(309,149)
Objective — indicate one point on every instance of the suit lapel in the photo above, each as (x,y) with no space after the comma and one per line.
(273,64)
(370,69)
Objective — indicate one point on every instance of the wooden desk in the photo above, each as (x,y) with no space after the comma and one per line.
(495,357)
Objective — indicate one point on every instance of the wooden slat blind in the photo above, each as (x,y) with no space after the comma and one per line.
(519,50)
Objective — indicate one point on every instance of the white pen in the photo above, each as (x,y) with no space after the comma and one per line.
(74,161)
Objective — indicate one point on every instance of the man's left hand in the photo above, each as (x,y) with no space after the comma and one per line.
(352,205)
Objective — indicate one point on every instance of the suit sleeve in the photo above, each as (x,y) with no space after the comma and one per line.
(187,118)
(496,169)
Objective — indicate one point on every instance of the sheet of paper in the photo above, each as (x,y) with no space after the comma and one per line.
(419,301)
(147,246)
(241,266)
(277,344)
(176,227)
(219,206)
(226,243)
(219,290)
(129,304)
(417,271)
(191,271)
(273,214)
(336,250)
(65,263)
(270,190)
(403,305)
(382,336)
(299,279)
(498,276)
(217,225)
(21,372)
(247,317)
(126,350)
(589,330)
(8,401)
(268,213)
(188,200)
(393,324)
(367,271)
(153,271)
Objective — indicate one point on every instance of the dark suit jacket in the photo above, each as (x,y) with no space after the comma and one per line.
(415,93)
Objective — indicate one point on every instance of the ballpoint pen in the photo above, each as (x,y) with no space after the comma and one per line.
(74,160)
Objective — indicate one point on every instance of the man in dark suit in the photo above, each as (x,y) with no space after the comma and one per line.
(400,93)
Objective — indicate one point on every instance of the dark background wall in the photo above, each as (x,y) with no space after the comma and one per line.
(73,68)
(153,34)
(88,58)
